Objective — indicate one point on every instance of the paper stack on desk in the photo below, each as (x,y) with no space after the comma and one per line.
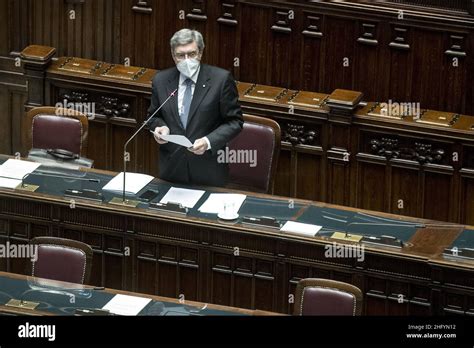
(300,228)
(13,171)
(186,197)
(134,182)
(216,202)
(126,305)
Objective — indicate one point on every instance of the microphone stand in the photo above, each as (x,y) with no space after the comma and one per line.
(124,201)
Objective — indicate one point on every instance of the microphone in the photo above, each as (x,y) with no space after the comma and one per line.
(84,194)
(134,135)
(23,185)
(32,188)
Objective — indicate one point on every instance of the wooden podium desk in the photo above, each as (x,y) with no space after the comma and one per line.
(408,266)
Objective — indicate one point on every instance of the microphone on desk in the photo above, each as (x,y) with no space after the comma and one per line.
(61,176)
(84,194)
(134,135)
(32,188)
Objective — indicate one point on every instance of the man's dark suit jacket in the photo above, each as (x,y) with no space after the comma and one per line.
(215,112)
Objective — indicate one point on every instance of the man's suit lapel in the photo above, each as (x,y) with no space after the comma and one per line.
(173,82)
(203,85)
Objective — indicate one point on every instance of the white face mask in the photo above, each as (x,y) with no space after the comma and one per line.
(188,67)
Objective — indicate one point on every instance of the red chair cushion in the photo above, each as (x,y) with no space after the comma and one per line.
(57,132)
(60,263)
(327,301)
(253,137)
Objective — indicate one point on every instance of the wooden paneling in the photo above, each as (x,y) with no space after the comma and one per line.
(340,73)
(467,192)
(427,68)
(282,43)
(254,57)
(289,44)
(404,188)
(284,182)
(89,29)
(226,41)
(12,99)
(310,66)
(370,51)
(371,193)
(308,176)
(455,72)
(400,58)
(5,34)
(438,193)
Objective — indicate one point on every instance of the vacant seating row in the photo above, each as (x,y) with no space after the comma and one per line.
(71,261)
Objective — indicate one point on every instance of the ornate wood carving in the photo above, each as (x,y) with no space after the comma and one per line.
(106,105)
(298,134)
(418,151)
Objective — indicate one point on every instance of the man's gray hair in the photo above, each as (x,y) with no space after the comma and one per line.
(186,36)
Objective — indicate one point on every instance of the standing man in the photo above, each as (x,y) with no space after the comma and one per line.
(206,110)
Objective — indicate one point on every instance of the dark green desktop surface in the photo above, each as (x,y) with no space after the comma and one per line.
(64,300)
(253,206)
(331,219)
(465,240)
(355,222)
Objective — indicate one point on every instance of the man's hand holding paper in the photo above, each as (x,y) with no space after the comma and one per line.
(200,146)
(162,136)
(159,133)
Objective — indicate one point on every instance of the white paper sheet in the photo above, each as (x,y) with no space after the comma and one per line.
(177,139)
(9,183)
(126,305)
(217,201)
(300,228)
(185,197)
(134,182)
(13,171)
(17,169)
